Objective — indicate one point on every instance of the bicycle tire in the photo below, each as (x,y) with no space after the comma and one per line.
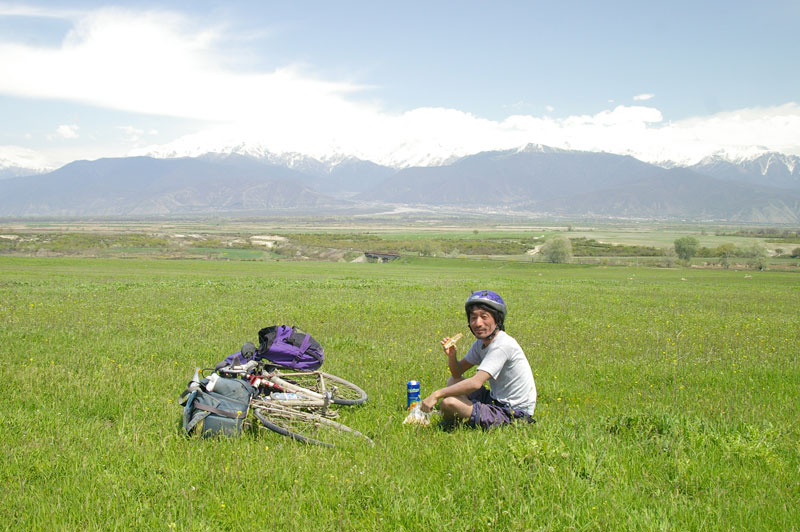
(346,393)
(306,427)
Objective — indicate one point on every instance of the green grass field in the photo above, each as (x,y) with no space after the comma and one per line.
(668,398)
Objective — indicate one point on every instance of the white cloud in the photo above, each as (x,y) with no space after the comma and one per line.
(67,131)
(147,62)
(135,134)
(156,63)
(429,135)
(17,156)
(737,132)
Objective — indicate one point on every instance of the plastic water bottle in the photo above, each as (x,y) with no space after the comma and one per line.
(212,381)
(281,396)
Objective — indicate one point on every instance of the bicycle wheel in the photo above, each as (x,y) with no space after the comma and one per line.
(306,427)
(343,392)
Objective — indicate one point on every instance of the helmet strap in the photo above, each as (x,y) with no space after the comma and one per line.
(489,337)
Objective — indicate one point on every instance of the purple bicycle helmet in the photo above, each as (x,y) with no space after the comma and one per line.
(491,300)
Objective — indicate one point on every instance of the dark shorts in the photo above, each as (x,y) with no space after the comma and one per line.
(488,412)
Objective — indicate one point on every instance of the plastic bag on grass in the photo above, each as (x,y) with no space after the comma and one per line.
(417,417)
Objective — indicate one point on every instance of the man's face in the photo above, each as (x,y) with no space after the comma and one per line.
(481,322)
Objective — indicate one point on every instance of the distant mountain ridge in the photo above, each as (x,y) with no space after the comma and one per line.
(510,177)
(147,186)
(772,169)
(567,183)
(533,179)
(683,194)
(9,170)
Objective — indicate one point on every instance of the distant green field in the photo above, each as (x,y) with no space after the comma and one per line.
(633,244)
(235,254)
(668,398)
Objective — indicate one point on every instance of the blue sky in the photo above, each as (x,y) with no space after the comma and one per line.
(398,83)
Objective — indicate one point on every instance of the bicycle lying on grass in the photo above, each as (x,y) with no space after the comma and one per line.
(298,404)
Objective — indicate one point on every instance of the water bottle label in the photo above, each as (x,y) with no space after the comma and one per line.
(412,393)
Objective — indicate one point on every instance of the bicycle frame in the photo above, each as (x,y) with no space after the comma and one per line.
(273,381)
(306,418)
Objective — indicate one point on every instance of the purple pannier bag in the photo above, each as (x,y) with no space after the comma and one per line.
(289,347)
(244,356)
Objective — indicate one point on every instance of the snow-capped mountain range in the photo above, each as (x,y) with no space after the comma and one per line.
(403,156)
(530,179)
(754,161)
(744,163)
(769,168)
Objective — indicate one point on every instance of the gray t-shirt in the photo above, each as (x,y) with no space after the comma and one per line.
(511,378)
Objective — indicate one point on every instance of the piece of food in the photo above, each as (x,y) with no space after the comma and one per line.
(452,340)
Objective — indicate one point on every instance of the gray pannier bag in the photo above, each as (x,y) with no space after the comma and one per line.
(221,411)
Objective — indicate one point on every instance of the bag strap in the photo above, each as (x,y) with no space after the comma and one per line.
(183,398)
(187,410)
(313,352)
(305,343)
(233,415)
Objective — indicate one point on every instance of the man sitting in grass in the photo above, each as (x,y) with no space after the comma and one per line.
(500,361)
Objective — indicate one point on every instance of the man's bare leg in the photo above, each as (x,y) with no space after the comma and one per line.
(458,407)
